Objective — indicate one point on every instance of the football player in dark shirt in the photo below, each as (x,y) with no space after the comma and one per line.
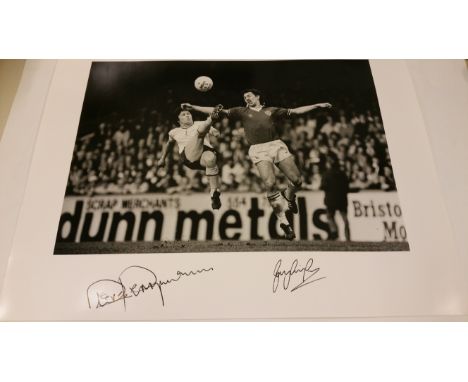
(267,150)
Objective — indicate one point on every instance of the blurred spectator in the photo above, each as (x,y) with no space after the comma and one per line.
(121,136)
(232,173)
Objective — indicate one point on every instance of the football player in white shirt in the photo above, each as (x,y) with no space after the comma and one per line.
(195,149)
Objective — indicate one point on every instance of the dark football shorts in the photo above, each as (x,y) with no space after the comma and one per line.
(195,165)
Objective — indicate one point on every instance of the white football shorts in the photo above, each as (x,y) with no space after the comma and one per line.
(274,151)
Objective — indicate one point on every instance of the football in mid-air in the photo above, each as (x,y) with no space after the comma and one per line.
(203,83)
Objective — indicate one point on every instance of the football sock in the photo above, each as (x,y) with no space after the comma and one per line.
(213,178)
(277,203)
(290,192)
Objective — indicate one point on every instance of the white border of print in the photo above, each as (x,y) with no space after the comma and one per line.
(423,282)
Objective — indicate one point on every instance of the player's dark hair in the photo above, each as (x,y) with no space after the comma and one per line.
(256,92)
(177,112)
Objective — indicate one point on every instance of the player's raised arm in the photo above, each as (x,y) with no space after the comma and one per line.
(167,147)
(306,109)
(213,111)
(201,109)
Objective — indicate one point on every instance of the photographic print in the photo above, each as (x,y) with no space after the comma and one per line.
(228,156)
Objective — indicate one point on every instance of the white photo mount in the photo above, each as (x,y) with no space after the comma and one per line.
(427,281)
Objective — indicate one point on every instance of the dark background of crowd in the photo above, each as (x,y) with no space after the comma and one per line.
(130,107)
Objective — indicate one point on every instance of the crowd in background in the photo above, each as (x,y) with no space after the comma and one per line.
(120,155)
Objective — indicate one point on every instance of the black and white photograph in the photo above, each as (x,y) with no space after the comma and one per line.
(229,156)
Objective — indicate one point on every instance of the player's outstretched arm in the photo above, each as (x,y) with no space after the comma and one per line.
(306,109)
(212,111)
(167,147)
(201,109)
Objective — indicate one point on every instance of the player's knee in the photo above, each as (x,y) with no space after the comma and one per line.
(270,184)
(212,171)
(209,158)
